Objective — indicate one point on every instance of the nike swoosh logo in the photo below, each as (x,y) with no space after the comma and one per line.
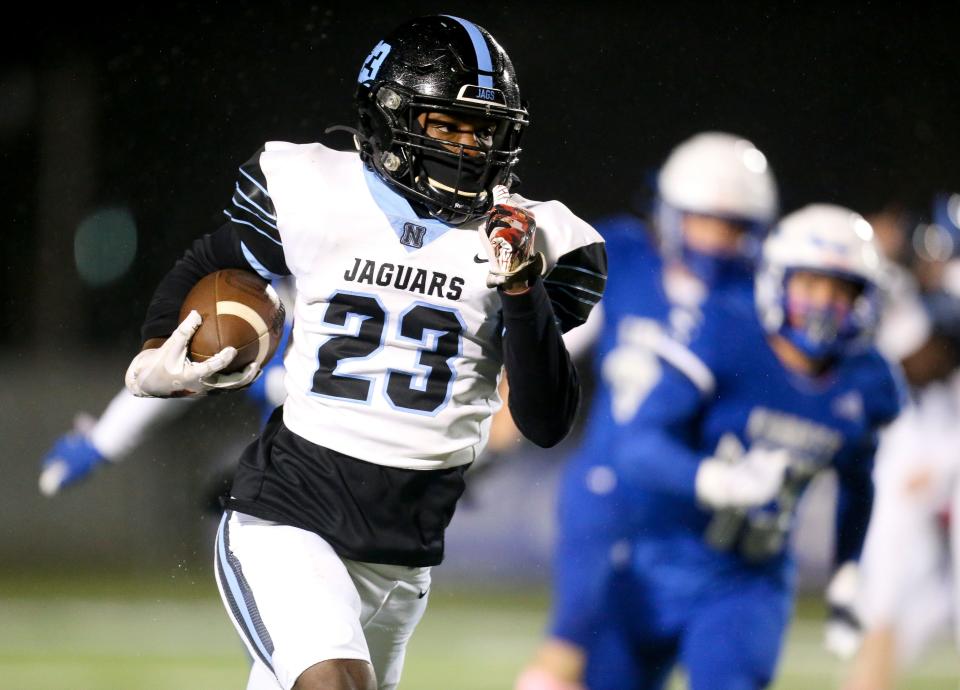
(478,260)
(422,594)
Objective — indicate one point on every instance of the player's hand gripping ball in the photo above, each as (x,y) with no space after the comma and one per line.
(231,323)
(508,237)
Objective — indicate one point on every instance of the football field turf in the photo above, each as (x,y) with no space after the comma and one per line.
(123,636)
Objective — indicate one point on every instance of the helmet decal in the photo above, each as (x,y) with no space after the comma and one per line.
(372,64)
(484,63)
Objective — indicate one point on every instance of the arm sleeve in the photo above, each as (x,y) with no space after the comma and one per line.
(544,386)
(854,504)
(249,240)
(576,283)
(128,420)
(656,450)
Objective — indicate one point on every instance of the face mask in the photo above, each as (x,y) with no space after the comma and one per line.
(712,269)
(447,172)
(715,270)
(819,332)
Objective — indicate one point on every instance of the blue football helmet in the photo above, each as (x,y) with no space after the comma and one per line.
(831,240)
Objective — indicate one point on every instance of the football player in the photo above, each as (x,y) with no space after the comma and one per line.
(907,587)
(419,276)
(905,590)
(716,457)
(716,199)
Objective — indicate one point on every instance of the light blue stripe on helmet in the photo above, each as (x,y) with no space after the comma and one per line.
(484,63)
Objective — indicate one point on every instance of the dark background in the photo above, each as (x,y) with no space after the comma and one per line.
(153,110)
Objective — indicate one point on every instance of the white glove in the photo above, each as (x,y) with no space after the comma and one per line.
(507,237)
(748,482)
(167,372)
(843,632)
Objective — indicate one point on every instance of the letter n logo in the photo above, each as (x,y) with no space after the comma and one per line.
(413,235)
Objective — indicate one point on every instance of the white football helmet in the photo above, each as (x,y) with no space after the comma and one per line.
(719,174)
(716,174)
(828,239)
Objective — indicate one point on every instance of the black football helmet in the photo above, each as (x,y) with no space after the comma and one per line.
(448,65)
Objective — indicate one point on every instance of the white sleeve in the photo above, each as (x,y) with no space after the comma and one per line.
(128,419)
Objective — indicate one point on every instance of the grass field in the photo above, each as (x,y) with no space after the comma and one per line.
(108,635)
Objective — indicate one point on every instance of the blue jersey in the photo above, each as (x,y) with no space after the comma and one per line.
(711,590)
(725,393)
(592,530)
(638,315)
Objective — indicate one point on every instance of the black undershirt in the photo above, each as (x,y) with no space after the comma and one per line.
(365,511)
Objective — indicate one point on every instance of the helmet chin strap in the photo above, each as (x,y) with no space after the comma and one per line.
(439,186)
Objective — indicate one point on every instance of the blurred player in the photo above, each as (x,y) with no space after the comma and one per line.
(418,279)
(94,442)
(716,457)
(904,324)
(716,199)
(904,335)
(907,588)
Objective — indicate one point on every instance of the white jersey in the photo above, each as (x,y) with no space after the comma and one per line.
(380,290)
(909,558)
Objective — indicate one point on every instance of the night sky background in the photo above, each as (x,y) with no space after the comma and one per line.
(151,112)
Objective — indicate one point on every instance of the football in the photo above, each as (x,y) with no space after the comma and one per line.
(239,309)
